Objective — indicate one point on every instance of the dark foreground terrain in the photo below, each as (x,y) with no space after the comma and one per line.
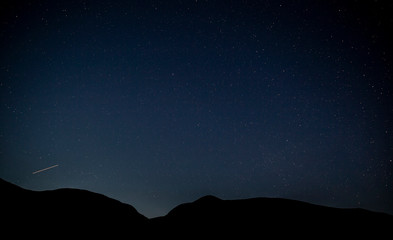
(80,213)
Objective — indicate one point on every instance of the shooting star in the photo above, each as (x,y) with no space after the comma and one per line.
(45,169)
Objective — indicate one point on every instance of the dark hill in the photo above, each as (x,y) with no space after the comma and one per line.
(76,213)
(65,211)
(266,217)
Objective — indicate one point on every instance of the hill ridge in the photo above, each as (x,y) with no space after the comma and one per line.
(80,211)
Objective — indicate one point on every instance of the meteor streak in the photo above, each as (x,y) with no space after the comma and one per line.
(45,169)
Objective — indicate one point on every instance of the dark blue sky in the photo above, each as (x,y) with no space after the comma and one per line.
(156,103)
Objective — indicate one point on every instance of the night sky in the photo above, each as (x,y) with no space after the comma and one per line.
(156,103)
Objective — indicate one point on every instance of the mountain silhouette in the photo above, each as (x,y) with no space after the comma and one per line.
(65,211)
(261,217)
(78,212)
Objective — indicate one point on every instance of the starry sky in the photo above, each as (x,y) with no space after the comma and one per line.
(156,103)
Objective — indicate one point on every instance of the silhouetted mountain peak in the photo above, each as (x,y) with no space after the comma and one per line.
(208,198)
(74,211)
(67,211)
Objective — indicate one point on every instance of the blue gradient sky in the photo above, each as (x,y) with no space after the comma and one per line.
(156,103)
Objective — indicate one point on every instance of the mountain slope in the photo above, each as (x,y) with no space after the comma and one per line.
(67,211)
(72,212)
(261,217)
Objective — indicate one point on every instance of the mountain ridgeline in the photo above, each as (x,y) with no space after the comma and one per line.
(76,213)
